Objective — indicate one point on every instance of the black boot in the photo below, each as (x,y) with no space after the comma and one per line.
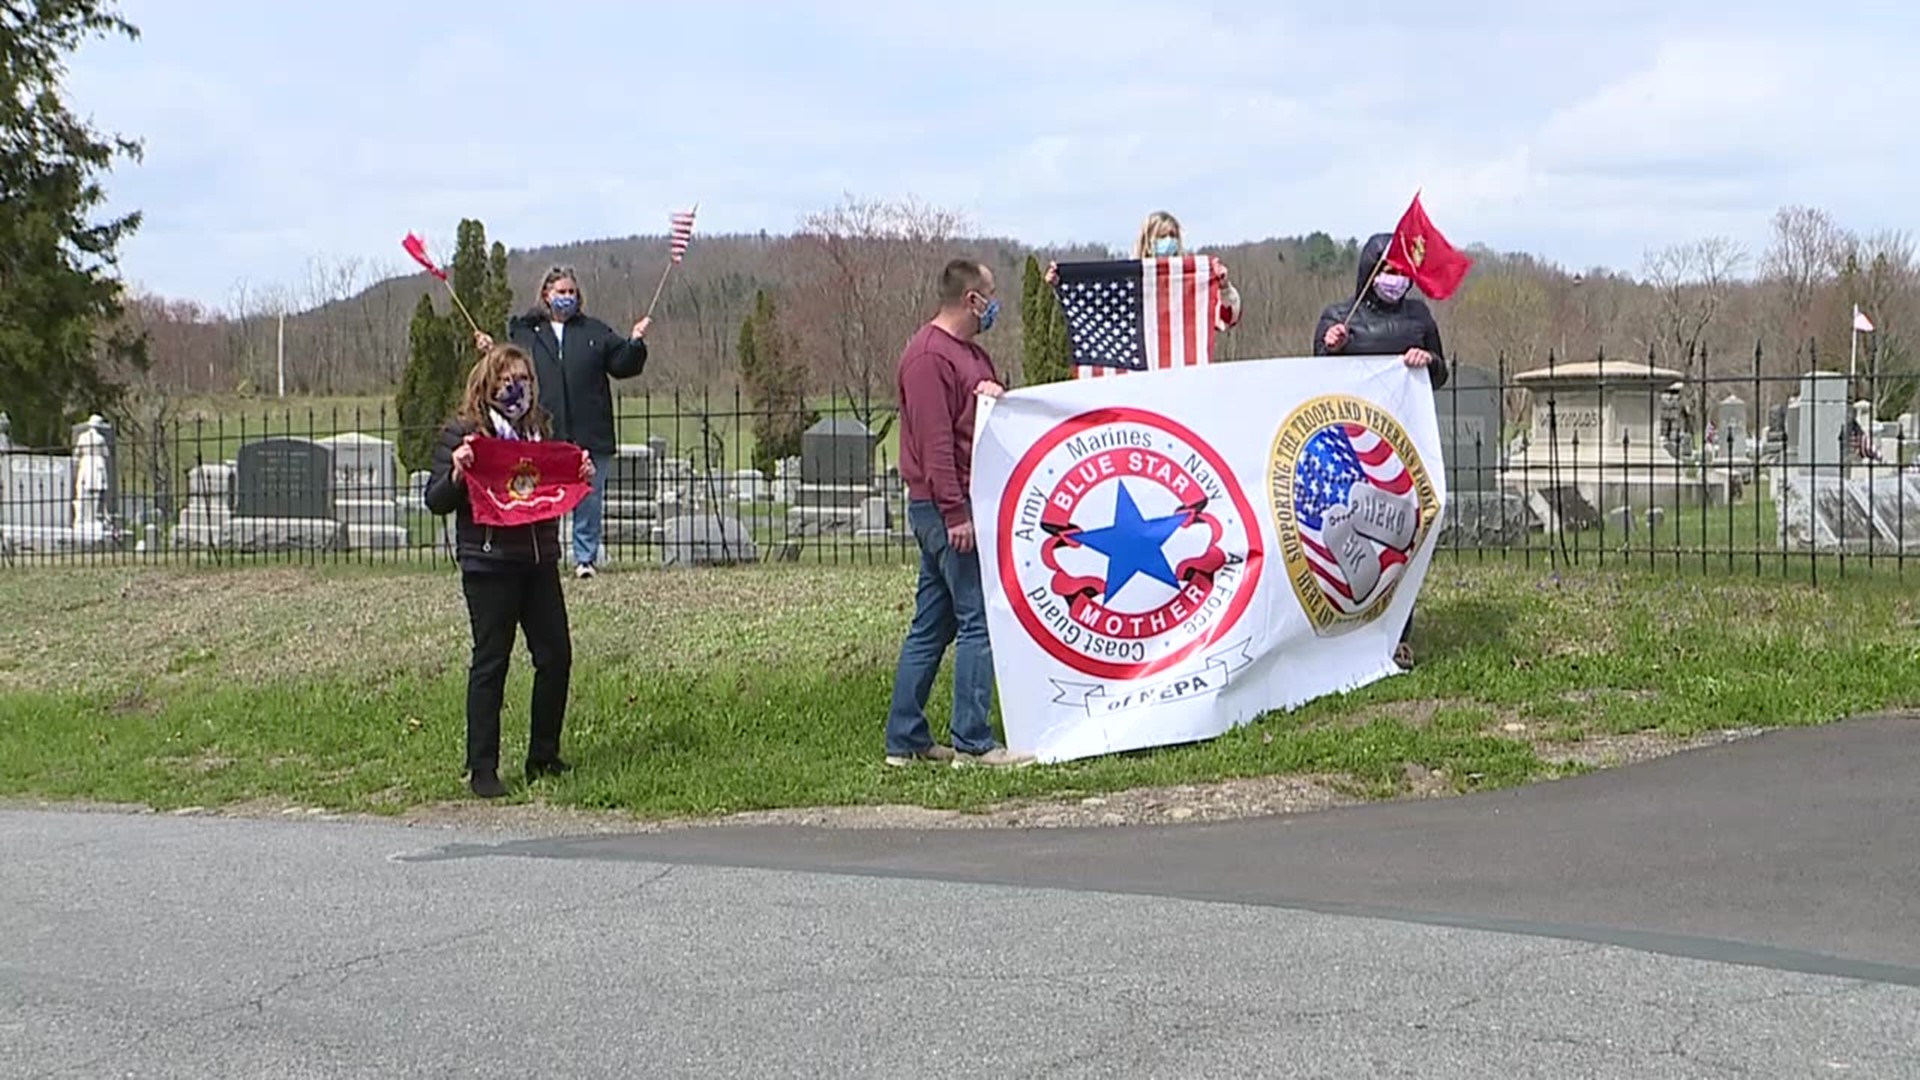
(487,785)
(538,769)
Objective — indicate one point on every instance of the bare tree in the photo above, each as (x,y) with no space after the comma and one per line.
(864,285)
(1690,283)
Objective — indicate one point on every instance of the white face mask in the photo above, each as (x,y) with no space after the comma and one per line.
(1391,287)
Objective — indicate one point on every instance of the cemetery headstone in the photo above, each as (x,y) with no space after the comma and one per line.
(707,539)
(208,513)
(365,496)
(1821,414)
(836,477)
(36,502)
(1468,408)
(632,507)
(283,497)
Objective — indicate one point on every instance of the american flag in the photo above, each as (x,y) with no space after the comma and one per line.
(1333,461)
(682,231)
(1139,314)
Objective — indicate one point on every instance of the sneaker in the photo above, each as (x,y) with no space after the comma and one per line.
(934,753)
(998,758)
(487,785)
(1403,656)
(583,571)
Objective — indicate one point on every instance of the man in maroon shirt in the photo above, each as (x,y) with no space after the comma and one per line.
(941,371)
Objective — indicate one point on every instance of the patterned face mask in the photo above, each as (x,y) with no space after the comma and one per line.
(512,399)
(1391,287)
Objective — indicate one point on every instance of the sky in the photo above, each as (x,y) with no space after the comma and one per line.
(278,134)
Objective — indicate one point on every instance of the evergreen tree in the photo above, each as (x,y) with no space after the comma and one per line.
(430,388)
(1046,350)
(497,303)
(1033,319)
(58,294)
(775,382)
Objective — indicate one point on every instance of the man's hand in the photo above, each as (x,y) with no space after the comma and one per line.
(463,458)
(640,328)
(989,388)
(1336,338)
(1417,358)
(586,466)
(482,340)
(961,537)
(1053,273)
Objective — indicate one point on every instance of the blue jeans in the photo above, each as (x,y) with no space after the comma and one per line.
(590,514)
(949,606)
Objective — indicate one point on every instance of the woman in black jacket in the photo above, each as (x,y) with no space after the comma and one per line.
(510,575)
(575,354)
(1380,319)
(1384,320)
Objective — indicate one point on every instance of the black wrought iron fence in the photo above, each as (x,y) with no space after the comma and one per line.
(1595,461)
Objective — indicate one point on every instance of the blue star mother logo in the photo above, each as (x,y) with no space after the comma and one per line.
(1126,545)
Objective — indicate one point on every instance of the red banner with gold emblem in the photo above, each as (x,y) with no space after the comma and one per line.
(517,483)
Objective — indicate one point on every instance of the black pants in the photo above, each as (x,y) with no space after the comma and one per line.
(497,603)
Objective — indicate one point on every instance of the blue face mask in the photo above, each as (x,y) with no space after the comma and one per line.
(992,313)
(564,306)
(512,399)
(1166,247)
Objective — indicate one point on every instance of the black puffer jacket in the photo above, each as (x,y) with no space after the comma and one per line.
(573,373)
(480,547)
(1379,328)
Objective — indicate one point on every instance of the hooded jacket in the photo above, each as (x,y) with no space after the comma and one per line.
(573,373)
(1379,328)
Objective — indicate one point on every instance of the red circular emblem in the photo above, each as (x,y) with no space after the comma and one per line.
(1125,544)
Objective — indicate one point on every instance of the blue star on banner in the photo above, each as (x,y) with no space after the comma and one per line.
(1132,544)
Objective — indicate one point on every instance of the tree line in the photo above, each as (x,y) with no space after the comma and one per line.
(853,281)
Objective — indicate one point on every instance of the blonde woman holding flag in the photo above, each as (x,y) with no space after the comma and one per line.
(1160,238)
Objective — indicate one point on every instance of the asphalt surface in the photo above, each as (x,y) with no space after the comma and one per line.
(1797,849)
(1741,910)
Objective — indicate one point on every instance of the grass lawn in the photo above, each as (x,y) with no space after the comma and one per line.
(705,692)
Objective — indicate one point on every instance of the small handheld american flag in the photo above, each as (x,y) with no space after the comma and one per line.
(682,231)
(1139,314)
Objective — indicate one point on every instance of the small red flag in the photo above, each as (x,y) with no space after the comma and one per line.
(1420,252)
(418,249)
(515,482)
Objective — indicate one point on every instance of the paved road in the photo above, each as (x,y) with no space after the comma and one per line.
(1367,942)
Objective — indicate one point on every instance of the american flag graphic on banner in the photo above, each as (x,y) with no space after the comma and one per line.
(1357,512)
(682,232)
(1139,314)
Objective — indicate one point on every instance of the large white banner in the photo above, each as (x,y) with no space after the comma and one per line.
(1171,554)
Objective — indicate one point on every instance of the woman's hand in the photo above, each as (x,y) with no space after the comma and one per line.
(482,340)
(1220,272)
(1417,358)
(1336,338)
(463,458)
(640,328)
(586,467)
(1053,273)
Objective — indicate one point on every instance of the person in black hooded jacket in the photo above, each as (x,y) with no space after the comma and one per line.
(510,575)
(574,354)
(1385,322)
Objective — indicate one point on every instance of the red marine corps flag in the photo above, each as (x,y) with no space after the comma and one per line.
(1420,252)
(514,482)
